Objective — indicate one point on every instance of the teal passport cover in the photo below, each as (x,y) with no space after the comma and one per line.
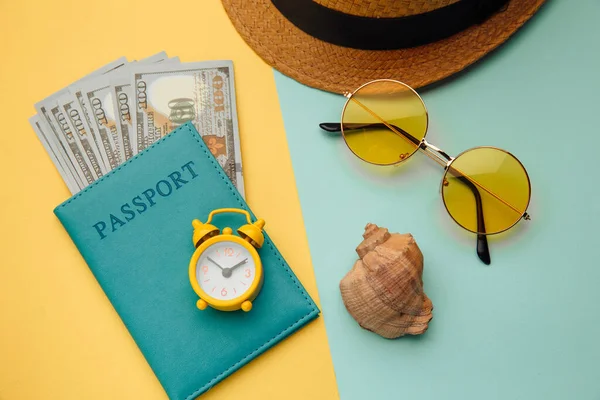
(133,228)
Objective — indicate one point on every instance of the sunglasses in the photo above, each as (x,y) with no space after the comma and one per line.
(485,190)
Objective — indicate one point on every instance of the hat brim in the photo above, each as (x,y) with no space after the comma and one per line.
(339,69)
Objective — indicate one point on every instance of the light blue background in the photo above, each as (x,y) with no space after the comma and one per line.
(526,327)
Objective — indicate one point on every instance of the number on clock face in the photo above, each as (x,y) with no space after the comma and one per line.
(225,270)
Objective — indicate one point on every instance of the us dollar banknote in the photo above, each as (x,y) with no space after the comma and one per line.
(120,87)
(98,100)
(43,135)
(74,147)
(167,96)
(106,143)
(61,134)
(54,137)
(82,131)
(108,116)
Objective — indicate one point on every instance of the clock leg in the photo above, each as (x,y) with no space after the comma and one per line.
(247,306)
(201,304)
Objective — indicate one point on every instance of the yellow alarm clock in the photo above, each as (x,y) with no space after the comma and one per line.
(225,270)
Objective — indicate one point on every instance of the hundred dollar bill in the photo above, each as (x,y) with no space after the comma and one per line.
(54,137)
(56,134)
(97,99)
(167,96)
(38,127)
(81,129)
(70,142)
(106,143)
(104,146)
(121,88)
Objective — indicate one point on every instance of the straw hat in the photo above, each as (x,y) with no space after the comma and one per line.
(337,45)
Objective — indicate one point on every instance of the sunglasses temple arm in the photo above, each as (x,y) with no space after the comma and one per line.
(335,127)
(332,127)
(483,250)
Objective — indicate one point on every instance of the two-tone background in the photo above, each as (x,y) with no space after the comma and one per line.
(527,327)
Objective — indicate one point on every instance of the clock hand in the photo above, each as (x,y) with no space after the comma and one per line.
(214,262)
(227,271)
(239,264)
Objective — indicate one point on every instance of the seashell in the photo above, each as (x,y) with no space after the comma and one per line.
(384,289)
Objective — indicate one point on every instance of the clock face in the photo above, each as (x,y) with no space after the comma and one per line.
(225,270)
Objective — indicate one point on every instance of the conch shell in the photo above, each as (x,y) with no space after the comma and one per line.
(384,290)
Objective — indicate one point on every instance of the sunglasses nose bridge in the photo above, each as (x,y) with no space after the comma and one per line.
(435,153)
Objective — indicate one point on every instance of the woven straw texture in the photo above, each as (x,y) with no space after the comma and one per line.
(338,69)
(384,8)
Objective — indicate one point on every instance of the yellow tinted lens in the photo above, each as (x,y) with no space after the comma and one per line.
(384,121)
(486,190)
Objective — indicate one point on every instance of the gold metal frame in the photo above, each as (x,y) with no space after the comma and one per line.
(524,214)
(349,95)
(436,154)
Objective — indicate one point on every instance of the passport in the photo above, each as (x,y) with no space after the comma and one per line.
(134,229)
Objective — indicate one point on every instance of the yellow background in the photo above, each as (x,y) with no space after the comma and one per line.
(59,336)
